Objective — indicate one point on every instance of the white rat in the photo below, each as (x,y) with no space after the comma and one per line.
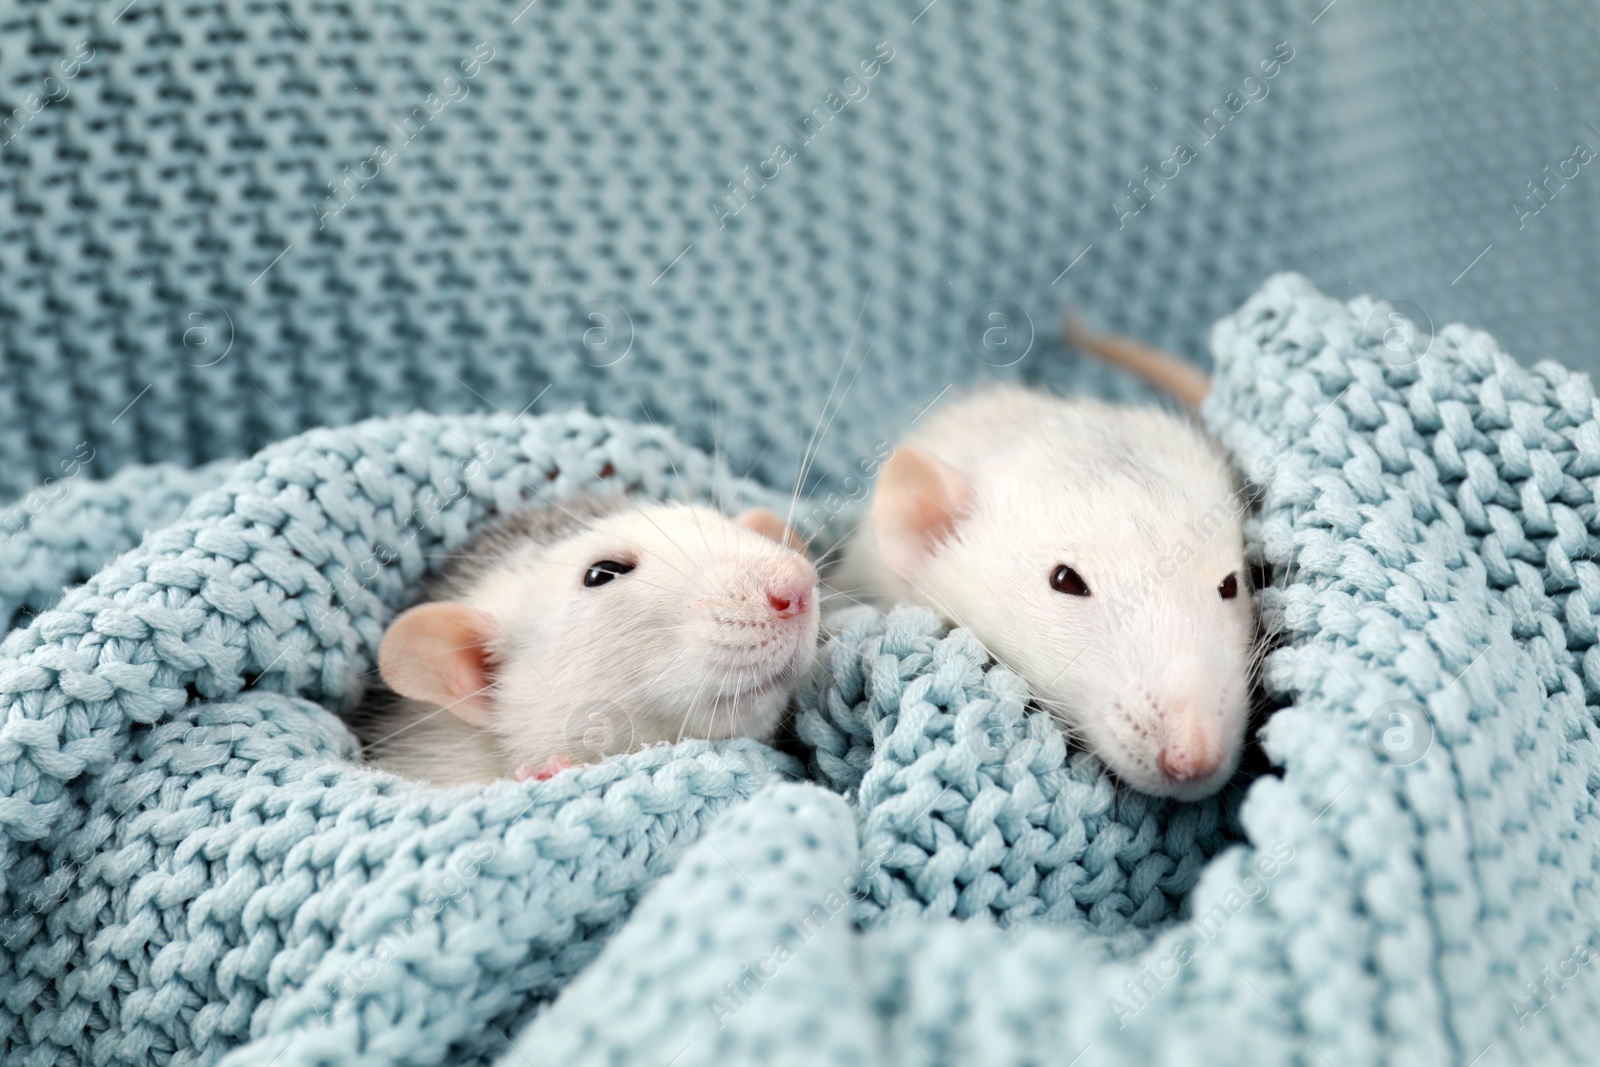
(1096,550)
(569,632)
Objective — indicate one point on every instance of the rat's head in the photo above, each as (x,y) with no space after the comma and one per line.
(1118,593)
(650,624)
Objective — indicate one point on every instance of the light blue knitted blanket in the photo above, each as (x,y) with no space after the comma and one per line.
(224,224)
(1417,887)
(193,870)
(189,857)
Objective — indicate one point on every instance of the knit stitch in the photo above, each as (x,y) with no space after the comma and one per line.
(190,858)
(202,250)
(1417,887)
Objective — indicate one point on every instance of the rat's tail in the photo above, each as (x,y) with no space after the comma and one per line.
(1163,370)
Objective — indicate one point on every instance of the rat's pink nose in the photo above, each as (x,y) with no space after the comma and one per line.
(789,602)
(1189,757)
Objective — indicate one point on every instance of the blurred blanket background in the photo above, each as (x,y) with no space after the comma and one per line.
(222,224)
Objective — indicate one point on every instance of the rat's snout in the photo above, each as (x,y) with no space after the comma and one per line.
(1189,753)
(779,590)
(791,594)
(789,602)
(793,590)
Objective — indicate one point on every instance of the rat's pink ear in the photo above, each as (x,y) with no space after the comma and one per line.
(919,500)
(439,654)
(772,528)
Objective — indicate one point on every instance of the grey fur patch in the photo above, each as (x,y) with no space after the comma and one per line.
(538,524)
(543,523)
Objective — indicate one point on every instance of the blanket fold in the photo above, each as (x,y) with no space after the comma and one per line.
(1415,884)
(974,799)
(191,859)
(192,870)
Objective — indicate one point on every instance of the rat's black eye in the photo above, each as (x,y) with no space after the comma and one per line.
(1229,587)
(1066,580)
(604,571)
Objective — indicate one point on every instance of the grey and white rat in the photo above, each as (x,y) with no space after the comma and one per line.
(1098,551)
(568,632)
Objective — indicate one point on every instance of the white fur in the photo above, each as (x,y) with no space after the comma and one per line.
(1154,655)
(685,645)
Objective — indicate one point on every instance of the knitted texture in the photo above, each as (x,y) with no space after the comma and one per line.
(202,248)
(189,857)
(61,532)
(971,804)
(1417,887)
